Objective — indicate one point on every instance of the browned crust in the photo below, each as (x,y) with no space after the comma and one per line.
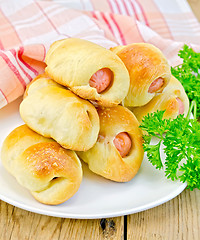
(104,159)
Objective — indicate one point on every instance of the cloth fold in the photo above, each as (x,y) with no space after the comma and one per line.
(28,28)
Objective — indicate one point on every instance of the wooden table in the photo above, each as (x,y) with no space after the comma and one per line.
(174,220)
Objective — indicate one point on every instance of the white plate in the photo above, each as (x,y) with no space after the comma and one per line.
(96,197)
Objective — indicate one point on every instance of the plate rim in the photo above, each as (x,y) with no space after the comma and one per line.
(120,213)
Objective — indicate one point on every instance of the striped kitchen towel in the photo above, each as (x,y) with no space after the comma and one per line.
(27,28)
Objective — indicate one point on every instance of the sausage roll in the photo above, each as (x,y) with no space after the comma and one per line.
(54,111)
(173,100)
(148,69)
(89,70)
(51,173)
(118,152)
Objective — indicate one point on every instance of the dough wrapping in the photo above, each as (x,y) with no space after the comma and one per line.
(103,158)
(51,173)
(54,111)
(167,100)
(72,62)
(145,64)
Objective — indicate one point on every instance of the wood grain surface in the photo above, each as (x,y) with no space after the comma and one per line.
(174,220)
(19,224)
(195,5)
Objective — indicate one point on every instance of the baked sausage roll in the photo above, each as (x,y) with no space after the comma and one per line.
(89,70)
(148,69)
(118,152)
(54,111)
(173,100)
(51,173)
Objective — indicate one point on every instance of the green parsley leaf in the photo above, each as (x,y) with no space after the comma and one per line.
(181,146)
(153,154)
(158,123)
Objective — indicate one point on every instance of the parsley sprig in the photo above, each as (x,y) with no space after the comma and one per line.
(188,73)
(180,137)
(181,143)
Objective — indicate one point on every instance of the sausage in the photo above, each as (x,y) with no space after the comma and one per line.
(181,106)
(123,143)
(101,79)
(156,85)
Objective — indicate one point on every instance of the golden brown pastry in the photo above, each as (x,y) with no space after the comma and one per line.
(173,99)
(118,152)
(89,70)
(148,69)
(44,79)
(51,173)
(53,111)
